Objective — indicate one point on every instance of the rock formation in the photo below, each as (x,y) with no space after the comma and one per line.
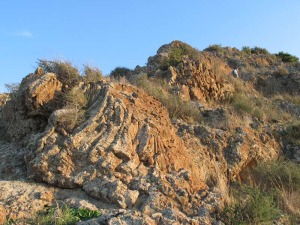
(127,157)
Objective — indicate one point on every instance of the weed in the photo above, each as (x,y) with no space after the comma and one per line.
(63,216)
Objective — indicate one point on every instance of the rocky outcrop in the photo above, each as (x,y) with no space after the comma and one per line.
(126,157)
(194,77)
(125,153)
(30,106)
(227,157)
(198,81)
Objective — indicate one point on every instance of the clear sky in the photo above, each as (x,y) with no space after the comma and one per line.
(112,33)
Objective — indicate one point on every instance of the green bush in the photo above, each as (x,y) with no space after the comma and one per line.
(177,51)
(65,71)
(259,51)
(242,103)
(214,48)
(246,50)
(254,207)
(119,72)
(286,57)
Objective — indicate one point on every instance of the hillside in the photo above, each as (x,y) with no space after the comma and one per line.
(177,141)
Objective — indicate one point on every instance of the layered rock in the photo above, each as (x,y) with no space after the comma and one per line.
(126,152)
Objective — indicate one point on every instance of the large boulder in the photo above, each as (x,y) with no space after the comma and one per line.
(30,106)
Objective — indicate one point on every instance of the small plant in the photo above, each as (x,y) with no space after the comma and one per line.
(85,214)
(64,216)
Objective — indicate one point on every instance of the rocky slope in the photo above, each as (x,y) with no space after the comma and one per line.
(127,158)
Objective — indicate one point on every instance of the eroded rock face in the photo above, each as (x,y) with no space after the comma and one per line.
(29,108)
(41,93)
(227,156)
(126,151)
(200,80)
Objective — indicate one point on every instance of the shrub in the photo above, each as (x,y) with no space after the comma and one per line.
(292,133)
(286,57)
(242,104)
(281,71)
(119,72)
(281,179)
(75,102)
(246,50)
(12,89)
(177,51)
(92,74)
(65,71)
(175,56)
(260,51)
(214,48)
(75,98)
(254,207)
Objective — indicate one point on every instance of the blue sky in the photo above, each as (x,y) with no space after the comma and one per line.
(112,33)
